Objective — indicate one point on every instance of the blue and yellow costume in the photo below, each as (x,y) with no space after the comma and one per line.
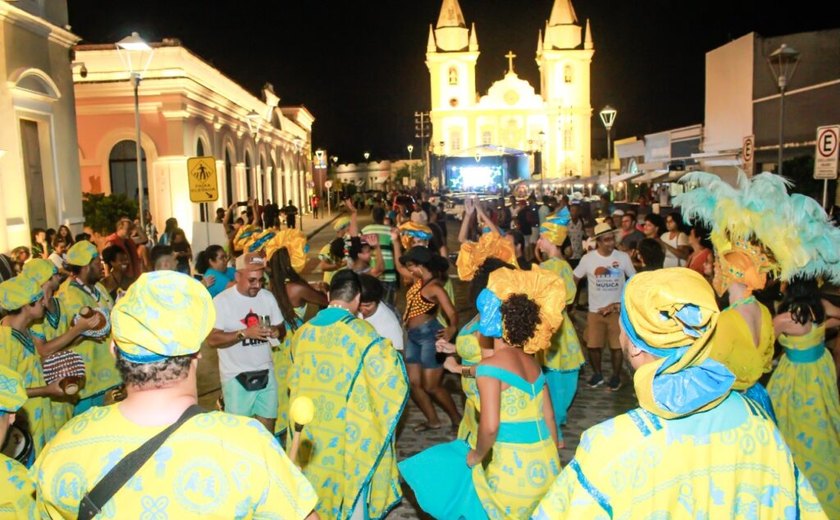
(803,389)
(694,449)
(17,492)
(524,459)
(468,349)
(359,386)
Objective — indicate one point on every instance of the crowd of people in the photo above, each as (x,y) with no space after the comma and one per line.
(100,343)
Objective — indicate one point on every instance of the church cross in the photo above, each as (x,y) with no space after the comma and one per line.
(510,55)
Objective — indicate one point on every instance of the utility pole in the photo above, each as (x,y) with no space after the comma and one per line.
(423,131)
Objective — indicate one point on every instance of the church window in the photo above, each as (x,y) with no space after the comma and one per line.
(455,140)
(486,137)
(567,137)
(453,76)
(567,73)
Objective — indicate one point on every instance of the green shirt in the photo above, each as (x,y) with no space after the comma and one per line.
(384,234)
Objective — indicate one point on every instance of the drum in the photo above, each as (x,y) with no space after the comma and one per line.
(103,324)
(18,444)
(67,367)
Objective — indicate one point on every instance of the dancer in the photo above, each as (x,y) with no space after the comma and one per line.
(515,457)
(17,492)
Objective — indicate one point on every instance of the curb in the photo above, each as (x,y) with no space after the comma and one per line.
(311,234)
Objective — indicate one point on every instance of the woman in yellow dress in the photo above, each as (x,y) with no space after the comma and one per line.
(803,389)
(515,456)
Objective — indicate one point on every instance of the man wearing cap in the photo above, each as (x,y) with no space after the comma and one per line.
(215,464)
(83,289)
(23,301)
(693,449)
(248,319)
(605,270)
(329,263)
(359,385)
(17,492)
(53,331)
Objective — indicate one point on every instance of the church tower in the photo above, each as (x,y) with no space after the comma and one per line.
(451,55)
(564,56)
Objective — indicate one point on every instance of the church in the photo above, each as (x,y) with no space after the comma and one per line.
(512,115)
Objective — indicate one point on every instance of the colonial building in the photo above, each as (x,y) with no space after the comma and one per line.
(39,160)
(187,108)
(512,114)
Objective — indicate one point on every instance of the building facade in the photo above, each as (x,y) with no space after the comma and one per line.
(512,114)
(188,108)
(39,160)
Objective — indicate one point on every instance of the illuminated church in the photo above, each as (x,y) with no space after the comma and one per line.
(512,114)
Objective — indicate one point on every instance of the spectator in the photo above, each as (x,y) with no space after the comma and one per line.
(675,242)
(64,232)
(628,236)
(217,275)
(58,256)
(40,246)
(163,258)
(576,234)
(291,211)
(649,255)
(150,230)
(270,214)
(117,280)
(701,250)
(122,239)
(182,250)
(7,268)
(20,255)
(170,226)
(374,309)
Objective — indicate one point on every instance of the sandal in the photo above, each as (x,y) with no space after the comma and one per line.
(424,427)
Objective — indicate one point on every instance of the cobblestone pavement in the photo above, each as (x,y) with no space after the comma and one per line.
(591,405)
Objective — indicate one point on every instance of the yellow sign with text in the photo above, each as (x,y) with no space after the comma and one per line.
(201,172)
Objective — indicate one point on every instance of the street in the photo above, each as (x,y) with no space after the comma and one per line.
(591,405)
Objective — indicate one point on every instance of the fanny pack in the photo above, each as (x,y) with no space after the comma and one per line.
(254,380)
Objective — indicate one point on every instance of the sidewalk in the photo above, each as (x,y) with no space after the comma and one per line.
(312,226)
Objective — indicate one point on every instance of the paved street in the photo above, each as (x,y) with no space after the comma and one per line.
(590,407)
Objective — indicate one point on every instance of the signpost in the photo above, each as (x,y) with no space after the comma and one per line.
(748,155)
(825,160)
(204,187)
(328,184)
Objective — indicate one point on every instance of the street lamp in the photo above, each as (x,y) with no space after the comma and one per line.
(608,118)
(367,155)
(135,55)
(782,64)
(410,149)
(254,121)
(540,144)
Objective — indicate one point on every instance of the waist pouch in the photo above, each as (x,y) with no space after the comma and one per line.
(253,381)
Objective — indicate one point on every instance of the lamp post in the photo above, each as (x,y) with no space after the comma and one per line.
(540,144)
(254,121)
(782,64)
(410,149)
(608,118)
(136,55)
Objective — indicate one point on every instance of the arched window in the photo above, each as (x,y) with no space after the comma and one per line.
(199,148)
(229,177)
(453,76)
(273,182)
(122,167)
(248,172)
(266,189)
(567,73)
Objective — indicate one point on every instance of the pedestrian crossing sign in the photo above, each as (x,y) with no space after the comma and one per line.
(201,173)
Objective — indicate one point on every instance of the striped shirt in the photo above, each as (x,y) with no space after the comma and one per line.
(384,234)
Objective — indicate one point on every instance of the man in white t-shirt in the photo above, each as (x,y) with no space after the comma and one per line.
(248,319)
(606,269)
(378,313)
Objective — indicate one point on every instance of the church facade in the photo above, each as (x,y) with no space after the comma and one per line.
(512,114)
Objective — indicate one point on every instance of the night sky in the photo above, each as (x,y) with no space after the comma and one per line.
(359,66)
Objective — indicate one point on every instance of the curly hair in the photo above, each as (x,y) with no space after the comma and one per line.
(482,275)
(520,317)
(153,375)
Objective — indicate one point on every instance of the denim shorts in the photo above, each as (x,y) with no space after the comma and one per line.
(420,347)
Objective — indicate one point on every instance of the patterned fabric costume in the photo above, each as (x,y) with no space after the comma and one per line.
(52,325)
(693,449)
(804,393)
(281,358)
(16,489)
(358,383)
(468,349)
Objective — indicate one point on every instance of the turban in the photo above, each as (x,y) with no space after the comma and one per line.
(416,230)
(18,292)
(39,270)
(81,253)
(555,228)
(294,241)
(12,391)
(540,285)
(245,236)
(671,314)
(489,245)
(341,223)
(163,314)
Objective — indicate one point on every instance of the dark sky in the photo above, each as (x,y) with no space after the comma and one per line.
(358,66)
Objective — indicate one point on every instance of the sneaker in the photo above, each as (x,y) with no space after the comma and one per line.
(614,384)
(595,380)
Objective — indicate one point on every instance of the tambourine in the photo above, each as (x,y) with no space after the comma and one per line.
(18,444)
(103,324)
(66,366)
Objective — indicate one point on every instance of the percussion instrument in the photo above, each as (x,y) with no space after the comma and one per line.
(18,444)
(103,324)
(66,367)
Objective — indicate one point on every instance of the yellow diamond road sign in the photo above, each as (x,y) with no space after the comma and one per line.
(201,172)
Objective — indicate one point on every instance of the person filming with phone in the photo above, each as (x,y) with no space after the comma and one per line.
(248,320)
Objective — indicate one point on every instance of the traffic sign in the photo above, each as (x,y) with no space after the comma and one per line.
(748,155)
(328,184)
(201,173)
(825,160)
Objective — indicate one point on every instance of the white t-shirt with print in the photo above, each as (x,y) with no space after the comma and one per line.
(388,325)
(605,276)
(671,259)
(236,311)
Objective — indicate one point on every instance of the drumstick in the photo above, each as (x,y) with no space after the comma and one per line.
(301,412)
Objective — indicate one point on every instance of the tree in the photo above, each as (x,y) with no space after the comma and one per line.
(103,211)
(800,171)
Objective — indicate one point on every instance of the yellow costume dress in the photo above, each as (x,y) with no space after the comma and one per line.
(561,362)
(734,346)
(325,255)
(17,351)
(51,326)
(803,389)
(281,358)
(468,349)
(17,491)
(101,371)
(520,469)
(358,383)
(216,465)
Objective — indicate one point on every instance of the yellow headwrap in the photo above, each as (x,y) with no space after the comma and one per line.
(18,292)
(555,228)
(39,270)
(543,286)
(245,236)
(12,391)
(489,245)
(671,314)
(163,314)
(294,241)
(414,230)
(744,262)
(81,253)
(341,223)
